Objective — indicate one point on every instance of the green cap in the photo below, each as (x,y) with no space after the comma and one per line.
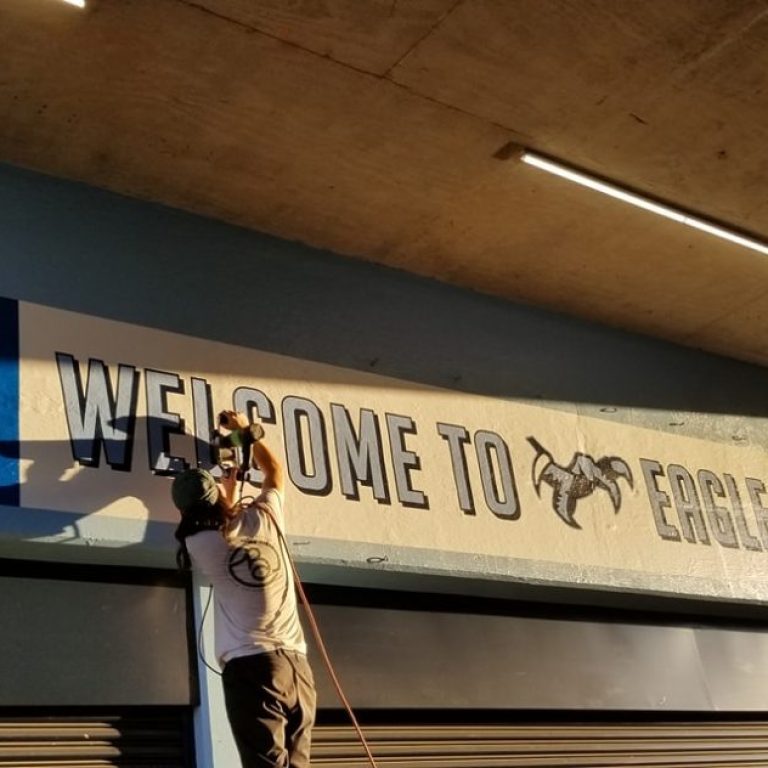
(193,487)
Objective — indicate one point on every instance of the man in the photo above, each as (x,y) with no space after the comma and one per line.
(268,685)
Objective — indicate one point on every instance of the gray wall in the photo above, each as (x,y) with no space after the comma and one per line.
(388,658)
(71,246)
(100,643)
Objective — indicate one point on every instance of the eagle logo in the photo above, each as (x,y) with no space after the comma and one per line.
(577,480)
(254,563)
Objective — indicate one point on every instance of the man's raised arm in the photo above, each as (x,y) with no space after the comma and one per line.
(270,465)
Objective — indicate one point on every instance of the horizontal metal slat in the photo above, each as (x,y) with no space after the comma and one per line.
(591,731)
(32,732)
(504,761)
(36,763)
(128,741)
(655,745)
(573,747)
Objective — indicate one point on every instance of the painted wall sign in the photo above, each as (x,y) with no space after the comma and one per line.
(105,412)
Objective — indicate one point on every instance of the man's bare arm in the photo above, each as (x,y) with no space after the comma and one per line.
(227,486)
(270,465)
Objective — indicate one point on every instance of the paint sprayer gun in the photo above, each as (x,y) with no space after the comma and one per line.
(231,449)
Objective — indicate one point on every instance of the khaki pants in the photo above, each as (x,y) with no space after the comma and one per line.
(270,700)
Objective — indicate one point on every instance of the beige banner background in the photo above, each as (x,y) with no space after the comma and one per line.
(627,540)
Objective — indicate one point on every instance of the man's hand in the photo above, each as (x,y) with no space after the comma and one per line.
(234,420)
(237,422)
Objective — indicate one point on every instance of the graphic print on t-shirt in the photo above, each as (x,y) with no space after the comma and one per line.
(254,563)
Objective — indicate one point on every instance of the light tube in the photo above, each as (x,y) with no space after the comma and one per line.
(544,164)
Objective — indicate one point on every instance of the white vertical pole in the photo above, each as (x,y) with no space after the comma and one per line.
(214,745)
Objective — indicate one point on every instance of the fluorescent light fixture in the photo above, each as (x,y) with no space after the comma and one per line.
(77,3)
(550,166)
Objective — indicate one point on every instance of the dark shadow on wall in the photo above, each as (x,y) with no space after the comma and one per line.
(52,463)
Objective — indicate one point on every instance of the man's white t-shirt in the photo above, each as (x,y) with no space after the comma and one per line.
(253,587)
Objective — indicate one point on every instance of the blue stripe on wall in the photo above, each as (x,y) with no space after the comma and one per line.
(9,402)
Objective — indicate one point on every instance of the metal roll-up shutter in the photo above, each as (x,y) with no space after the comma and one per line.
(123,740)
(641,745)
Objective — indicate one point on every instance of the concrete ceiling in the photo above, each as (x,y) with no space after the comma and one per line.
(372,129)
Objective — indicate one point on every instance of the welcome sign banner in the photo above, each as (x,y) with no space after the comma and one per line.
(98,416)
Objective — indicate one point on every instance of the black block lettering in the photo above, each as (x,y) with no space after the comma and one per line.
(202,411)
(404,461)
(659,500)
(687,504)
(359,455)
(257,407)
(457,437)
(719,517)
(161,423)
(742,526)
(303,427)
(95,417)
(499,481)
(756,489)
